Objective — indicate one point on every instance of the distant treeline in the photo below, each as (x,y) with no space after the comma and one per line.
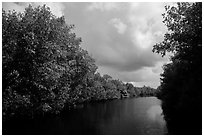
(44,68)
(144,91)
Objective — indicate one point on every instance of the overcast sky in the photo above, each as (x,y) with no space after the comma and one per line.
(119,36)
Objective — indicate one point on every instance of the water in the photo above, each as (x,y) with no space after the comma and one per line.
(133,116)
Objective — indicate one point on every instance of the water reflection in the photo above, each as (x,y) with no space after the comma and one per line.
(118,117)
(136,116)
(154,112)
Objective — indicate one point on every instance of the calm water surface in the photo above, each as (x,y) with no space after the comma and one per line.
(116,117)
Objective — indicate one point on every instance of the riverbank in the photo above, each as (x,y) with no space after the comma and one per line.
(80,105)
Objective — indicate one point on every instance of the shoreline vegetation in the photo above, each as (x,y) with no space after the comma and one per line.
(45,69)
(144,91)
(181,81)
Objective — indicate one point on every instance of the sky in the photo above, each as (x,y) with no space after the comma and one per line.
(118,35)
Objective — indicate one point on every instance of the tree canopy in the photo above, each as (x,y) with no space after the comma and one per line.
(181,82)
(42,60)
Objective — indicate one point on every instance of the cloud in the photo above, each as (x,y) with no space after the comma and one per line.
(141,39)
(20,7)
(146,23)
(102,6)
(119,25)
(56,8)
(128,56)
(146,76)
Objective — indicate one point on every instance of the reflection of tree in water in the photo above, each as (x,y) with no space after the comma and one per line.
(157,123)
(153,112)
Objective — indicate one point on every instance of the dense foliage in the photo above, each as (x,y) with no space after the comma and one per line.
(181,82)
(42,62)
(44,68)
